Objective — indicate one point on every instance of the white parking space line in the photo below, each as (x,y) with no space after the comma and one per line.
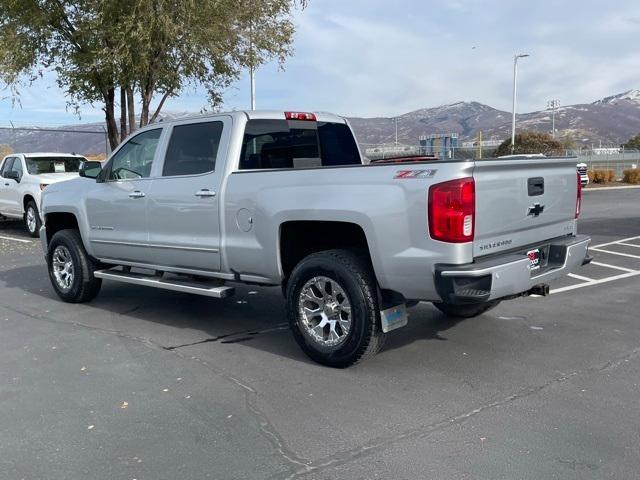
(595,282)
(580,277)
(616,241)
(615,253)
(587,282)
(615,267)
(22,240)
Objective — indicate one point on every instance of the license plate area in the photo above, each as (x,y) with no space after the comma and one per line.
(534,259)
(538,258)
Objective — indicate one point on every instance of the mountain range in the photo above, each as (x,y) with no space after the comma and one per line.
(607,122)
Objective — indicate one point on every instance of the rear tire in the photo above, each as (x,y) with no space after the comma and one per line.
(32,220)
(71,269)
(332,307)
(466,311)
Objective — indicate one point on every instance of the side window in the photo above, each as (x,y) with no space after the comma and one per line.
(192,149)
(338,145)
(280,144)
(6,166)
(135,157)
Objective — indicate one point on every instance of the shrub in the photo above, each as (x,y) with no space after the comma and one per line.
(530,142)
(631,175)
(611,176)
(602,176)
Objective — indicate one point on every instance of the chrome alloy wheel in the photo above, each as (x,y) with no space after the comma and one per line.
(63,267)
(31,220)
(325,311)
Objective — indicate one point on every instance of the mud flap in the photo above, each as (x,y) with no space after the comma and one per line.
(394,317)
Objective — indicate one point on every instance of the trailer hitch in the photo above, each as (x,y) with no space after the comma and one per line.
(542,289)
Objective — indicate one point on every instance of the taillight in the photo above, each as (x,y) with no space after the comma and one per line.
(311,117)
(452,208)
(579,196)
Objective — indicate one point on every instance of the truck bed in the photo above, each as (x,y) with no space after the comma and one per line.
(389,203)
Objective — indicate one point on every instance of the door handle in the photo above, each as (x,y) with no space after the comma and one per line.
(136,194)
(205,192)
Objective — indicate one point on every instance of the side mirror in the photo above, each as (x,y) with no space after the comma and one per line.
(90,169)
(13,175)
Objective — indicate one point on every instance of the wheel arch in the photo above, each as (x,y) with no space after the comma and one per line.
(300,238)
(56,221)
(25,201)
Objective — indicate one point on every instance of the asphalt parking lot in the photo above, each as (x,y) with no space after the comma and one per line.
(148,384)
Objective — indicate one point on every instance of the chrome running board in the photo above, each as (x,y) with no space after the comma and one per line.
(209,288)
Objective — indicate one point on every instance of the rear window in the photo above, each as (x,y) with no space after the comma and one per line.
(297,144)
(38,165)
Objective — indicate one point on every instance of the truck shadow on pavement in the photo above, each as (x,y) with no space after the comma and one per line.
(14,228)
(255,317)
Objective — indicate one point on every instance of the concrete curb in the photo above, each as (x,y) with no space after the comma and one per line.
(626,187)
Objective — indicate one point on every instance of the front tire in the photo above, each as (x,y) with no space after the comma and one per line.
(332,307)
(466,311)
(71,269)
(32,220)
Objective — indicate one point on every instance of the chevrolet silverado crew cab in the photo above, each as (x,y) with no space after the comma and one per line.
(283,199)
(25,175)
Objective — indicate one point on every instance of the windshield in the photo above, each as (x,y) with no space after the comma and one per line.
(37,165)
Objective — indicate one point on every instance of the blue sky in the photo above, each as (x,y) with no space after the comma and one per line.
(381,57)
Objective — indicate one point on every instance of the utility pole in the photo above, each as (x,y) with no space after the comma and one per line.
(515,80)
(13,132)
(553,104)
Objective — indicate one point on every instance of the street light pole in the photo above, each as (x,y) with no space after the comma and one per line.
(253,88)
(252,72)
(553,104)
(515,79)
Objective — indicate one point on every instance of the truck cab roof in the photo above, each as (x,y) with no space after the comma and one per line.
(255,115)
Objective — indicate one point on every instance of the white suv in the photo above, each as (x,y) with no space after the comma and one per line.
(23,176)
(582,170)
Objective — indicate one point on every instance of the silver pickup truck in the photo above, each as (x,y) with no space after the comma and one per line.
(284,199)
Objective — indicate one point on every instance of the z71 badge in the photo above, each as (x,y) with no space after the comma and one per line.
(430,173)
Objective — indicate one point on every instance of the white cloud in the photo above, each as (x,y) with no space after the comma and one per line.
(375,57)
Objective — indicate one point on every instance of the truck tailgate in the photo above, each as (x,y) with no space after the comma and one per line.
(523,202)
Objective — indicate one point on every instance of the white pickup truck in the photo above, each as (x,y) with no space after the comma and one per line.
(282,198)
(25,175)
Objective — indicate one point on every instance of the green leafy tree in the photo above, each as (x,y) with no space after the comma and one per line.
(139,50)
(531,142)
(633,143)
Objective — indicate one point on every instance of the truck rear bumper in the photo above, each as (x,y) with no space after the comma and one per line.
(508,275)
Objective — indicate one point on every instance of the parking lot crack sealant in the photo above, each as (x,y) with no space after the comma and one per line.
(381,443)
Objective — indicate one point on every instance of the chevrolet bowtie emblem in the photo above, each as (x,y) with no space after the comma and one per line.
(535,210)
